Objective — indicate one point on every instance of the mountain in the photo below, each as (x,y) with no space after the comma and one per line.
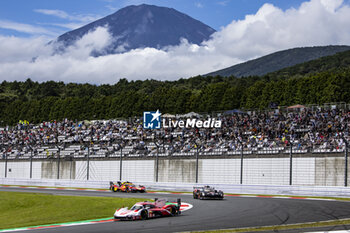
(279,60)
(334,63)
(144,26)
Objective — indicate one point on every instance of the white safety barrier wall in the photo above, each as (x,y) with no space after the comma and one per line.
(139,170)
(330,171)
(103,170)
(225,171)
(133,170)
(36,170)
(81,170)
(2,170)
(266,171)
(178,170)
(306,171)
(49,169)
(18,169)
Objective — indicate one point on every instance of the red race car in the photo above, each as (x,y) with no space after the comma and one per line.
(146,210)
(126,187)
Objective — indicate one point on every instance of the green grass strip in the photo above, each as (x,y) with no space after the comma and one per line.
(32,209)
(282,227)
(52,187)
(58,224)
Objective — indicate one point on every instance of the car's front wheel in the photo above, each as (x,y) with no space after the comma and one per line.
(173,211)
(144,215)
(201,197)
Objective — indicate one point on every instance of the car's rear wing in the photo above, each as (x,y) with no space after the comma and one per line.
(114,183)
(161,202)
(178,204)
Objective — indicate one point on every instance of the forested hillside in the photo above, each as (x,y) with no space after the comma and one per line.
(316,82)
(336,63)
(279,60)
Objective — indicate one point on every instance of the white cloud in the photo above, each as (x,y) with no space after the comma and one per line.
(198,5)
(112,8)
(26,28)
(70,26)
(57,13)
(271,29)
(223,3)
(64,15)
(95,41)
(331,5)
(316,22)
(15,50)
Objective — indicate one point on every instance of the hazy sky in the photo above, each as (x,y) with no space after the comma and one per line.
(246,29)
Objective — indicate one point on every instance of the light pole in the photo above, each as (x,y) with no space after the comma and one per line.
(157,159)
(120,144)
(290,163)
(241,176)
(6,162)
(197,143)
(31,162)
(58,161)
(88,162)
(346,163)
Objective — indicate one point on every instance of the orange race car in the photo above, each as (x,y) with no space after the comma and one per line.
(126,187)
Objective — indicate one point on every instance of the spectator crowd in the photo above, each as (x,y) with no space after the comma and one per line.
(305,130)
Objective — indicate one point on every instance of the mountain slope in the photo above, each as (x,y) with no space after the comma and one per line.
(337,62)
(144,26)
(279,60)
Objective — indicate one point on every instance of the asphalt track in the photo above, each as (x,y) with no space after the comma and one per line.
(233,212)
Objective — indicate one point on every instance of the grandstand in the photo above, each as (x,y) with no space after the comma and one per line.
(304,131)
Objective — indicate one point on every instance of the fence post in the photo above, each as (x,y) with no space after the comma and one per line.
(157,159)
(157,164)
(121,163)
(31,163)
(197,155)
(71,167)
(88,163)
(241,177)
(6,164)
(346,165)
(290,163)
(58,163)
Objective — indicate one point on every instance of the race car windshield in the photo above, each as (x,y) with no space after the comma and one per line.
(136,207)
(209,190)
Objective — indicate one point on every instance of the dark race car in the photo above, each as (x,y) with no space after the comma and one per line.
(207,192)
(126,187)
(146,210)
